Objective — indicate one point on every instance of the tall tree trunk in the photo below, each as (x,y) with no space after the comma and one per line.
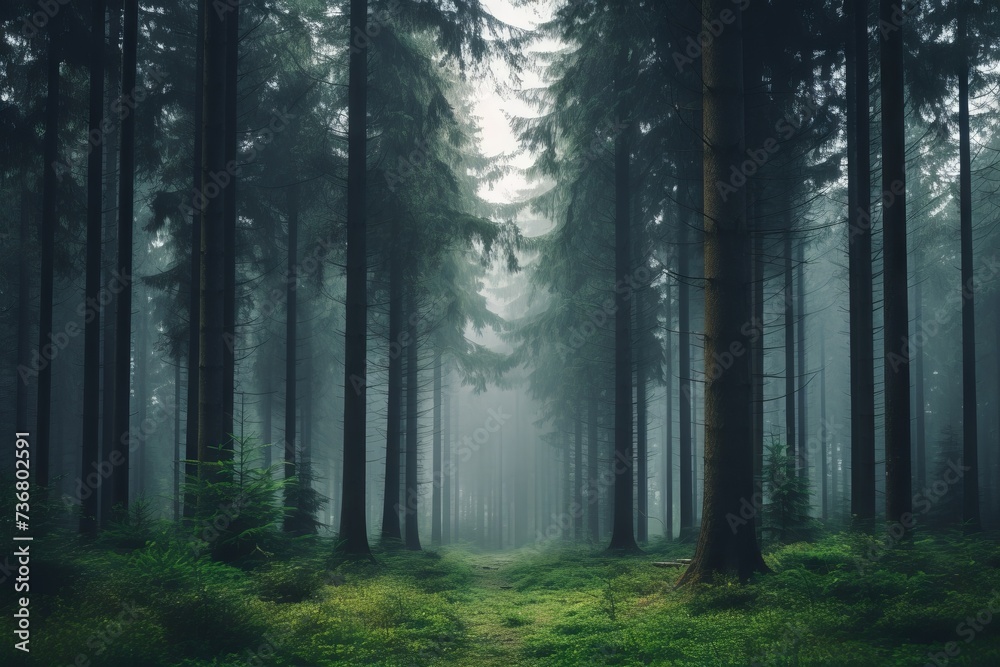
(723,548)
(194,294)
(143,453)
(919,401)
(593,469)
(46,240)
(622,534)
(353,528)
(178,454)
(123,312)
(824,445)
(860,267)
(92,326)
(390,506)
(24,306)
(110,152)
(685,487)
(412,532)
(436,454)
(446,461)
(577,506)
(266,409)
(800,346)
(291,359)
(970,431)
(213,435)
(668,450)
(898,498)
(789,326)
(641,448)
(229,217)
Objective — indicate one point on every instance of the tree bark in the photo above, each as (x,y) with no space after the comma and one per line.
(229,217)
(898,497)
(446,462)
(412,532)
(212,428)
(353,528)
(123,312)
(436,454)
(46,240)
(194,295)
(722,547)
(789,325)
(685,487)
(622,534)
(90,450)
(860,267)
(291,356)
(970,431)
(391,529)
(593,469)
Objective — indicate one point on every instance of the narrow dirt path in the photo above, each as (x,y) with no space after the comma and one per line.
(492,637)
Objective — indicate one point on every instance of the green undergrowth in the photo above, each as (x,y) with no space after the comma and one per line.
(842,600)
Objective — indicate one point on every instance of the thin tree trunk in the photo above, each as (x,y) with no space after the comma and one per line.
(92,328)
(789,326)
(436,454)
(353,524)
(446,462)
(577,506)
(391,529)
(123,313)
(212,428)
(970,430)
(668,452)
(229,217)
(919,402)
(728,437)
(622,534)
(593,469)
(291,356)
(898,497)
(109,150)
(266,408)
(24,307)
(46,240)
(823,469)
(641,449)
(800,345)
(684,385)
(194,295)
(178,454)
(412,532)
(860,268)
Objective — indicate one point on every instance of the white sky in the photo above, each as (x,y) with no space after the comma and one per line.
(492,106)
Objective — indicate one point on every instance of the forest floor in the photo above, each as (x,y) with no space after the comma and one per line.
(838,601)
